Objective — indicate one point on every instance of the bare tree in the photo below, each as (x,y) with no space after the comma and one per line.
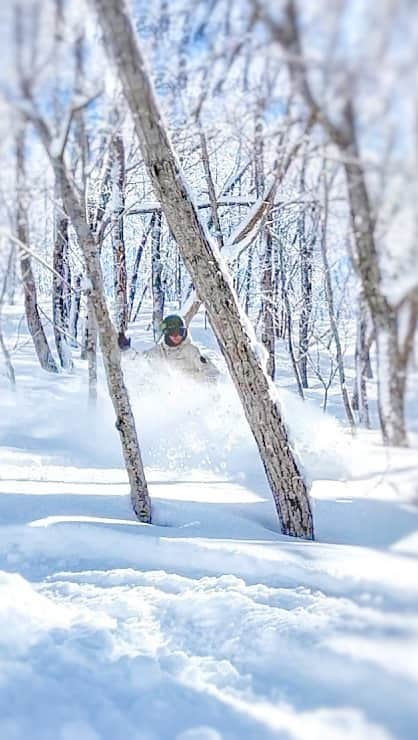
(393,347)
(214,286)
(76,211)
(33,318)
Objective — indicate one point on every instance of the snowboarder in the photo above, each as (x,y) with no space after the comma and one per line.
(177,351)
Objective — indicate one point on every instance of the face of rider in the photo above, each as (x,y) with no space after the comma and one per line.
(176,338)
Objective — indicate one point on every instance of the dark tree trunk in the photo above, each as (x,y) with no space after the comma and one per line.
(118,239)
(74,310)
(158,297)
(91,350)
(306,245)
(288,320)
(268,336)
(135,270)
(362,363)
(59,302)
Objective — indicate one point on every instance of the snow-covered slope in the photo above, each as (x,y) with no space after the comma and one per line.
(207,624)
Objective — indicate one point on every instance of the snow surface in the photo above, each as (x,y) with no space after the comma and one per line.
(207,624)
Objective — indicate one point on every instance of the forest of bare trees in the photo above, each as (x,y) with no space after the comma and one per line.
(259,163)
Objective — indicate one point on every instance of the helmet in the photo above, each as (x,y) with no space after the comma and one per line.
(173,324)
(173,330)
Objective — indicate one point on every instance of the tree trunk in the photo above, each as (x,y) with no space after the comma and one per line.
(268,336)
(360,401)
(248,278)
(90,350)
(59,305)
(33,318)
(140,302)
(74,310)
(332,318)
(125,422)
(391,366)
(306,244)
(12,278)
(393,357)
(3,347)
(266,277)
(135,270)
(235,336)
(211,191)
(392,360)
(118,240)
(288,320)
(157,287)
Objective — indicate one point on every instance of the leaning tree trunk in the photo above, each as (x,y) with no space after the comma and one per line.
(33,318)
(236,338)
(125,422)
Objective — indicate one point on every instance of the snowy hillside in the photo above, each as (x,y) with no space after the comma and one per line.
(207,624)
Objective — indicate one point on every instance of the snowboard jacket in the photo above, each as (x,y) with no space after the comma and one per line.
(185,358)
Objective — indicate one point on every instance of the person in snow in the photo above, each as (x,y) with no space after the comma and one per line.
(176,350)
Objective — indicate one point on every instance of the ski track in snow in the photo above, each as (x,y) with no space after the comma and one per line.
(208,624)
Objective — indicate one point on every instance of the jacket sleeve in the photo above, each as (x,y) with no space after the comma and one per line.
(155,353)
(205,366)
